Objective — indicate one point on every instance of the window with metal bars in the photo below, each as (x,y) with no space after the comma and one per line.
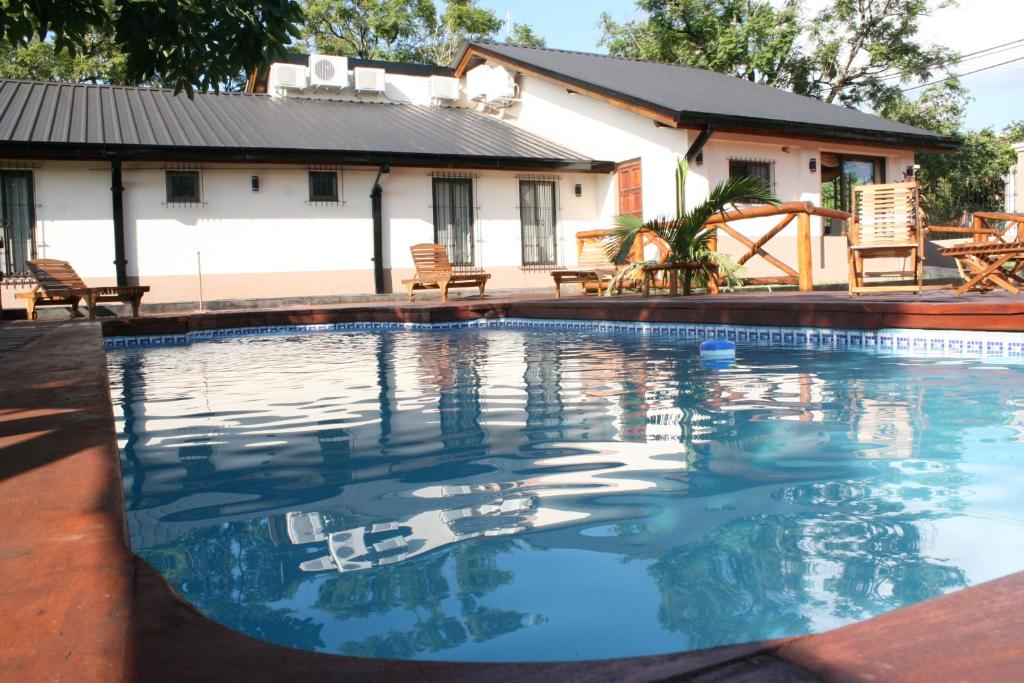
(17,214)
(183,187)
(537,215)
(753,168)
(453,218)
(323,186)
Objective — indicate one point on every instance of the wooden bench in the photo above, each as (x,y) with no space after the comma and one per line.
(594,268)
(434,271)
(57,284)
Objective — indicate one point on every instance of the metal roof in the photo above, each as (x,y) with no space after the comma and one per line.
(90,120)
(690,95)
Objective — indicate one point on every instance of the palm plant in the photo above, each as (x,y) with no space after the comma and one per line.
(687,235)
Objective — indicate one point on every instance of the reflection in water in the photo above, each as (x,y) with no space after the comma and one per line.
(498,494)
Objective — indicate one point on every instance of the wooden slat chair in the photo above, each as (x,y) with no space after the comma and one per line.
(593,268)
(887,222)
(57,284)
(434,271)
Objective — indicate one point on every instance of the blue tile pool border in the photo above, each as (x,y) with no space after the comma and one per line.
(898,341)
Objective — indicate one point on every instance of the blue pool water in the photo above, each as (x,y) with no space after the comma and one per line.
(500,494)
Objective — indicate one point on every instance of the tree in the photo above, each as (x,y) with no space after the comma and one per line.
(969,179)
(853,52)
(187,44)
(523,34)
(864,49)
(98,61)
(751,39)
(402,30)
(1014,132)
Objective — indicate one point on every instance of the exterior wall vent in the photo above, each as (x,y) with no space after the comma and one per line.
(287,77)
(444,88)
(369,80)
(328,71)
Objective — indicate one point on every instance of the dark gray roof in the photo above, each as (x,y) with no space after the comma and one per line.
(693,95)
(152,122)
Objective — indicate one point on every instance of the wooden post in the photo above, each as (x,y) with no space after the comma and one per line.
(803,250)
(977,224)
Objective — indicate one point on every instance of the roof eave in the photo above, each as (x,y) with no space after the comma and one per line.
(85,152)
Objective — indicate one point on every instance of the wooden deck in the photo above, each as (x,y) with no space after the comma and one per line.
(78,606)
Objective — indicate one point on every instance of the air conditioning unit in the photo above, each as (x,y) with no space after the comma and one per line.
(443,88)
(328,71)
(477,81)
(369,80)
(493,85)
(287,76)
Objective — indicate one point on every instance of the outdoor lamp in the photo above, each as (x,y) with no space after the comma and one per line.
(813,165)
(578,190)
(255,182)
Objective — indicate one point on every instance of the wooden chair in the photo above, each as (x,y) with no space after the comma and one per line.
(988,261)
(57,284)
(593,268)
(888,222)
(434,271)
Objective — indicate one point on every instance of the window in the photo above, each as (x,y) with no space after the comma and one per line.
(17,221)
(323,186)
(183,187)
(753,168)
(839,173)
(453,218)
(537,215)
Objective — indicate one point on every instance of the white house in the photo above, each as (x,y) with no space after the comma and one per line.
(317,181)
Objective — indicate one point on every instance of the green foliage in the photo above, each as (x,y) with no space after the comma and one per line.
(853,52)
(523,34)
(970,179)
(750,39)
(98,61)
(687,235)
(186,44)
(402,30)
(1014,132)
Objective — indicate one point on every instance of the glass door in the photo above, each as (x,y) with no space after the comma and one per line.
(839,174)
(17,213)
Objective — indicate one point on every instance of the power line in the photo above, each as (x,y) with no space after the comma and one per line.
(966,73)
(987,52)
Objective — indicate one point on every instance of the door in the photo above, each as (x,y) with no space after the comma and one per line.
(839,174)
(453,218)
(631,196)
(537,219)
(17,212)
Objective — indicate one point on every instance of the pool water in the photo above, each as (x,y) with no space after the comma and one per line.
(508,495)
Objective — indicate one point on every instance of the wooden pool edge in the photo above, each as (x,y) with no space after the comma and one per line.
(79,606)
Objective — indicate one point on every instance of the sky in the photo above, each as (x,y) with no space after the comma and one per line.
(998,94)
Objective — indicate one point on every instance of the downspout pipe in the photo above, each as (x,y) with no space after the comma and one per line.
(376,207)
(705,134)
(117,213)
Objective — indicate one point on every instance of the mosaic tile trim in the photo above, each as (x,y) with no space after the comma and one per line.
(911,342)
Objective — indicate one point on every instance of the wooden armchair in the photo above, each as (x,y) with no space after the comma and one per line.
(888,222)
(434,271)
(58,284)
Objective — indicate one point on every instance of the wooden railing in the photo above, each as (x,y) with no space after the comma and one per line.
(982,229)
(801,212)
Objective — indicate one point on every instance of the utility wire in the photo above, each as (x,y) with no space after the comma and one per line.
(966,73)
(987,52)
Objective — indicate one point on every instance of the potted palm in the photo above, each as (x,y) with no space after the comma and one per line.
(688,237)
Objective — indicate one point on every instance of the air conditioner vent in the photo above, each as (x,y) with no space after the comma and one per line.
(287,77)
(369,80)
(328,71)
(444,88)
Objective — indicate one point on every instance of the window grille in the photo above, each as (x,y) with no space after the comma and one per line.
(184,187)
(323,187)
(453,218)
(537,201)
(763,169)
(17,213)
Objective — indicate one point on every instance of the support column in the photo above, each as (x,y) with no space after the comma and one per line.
(377,210)
(117,206)
(803,251)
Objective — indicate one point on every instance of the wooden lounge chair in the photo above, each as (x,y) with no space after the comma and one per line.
(57,283)
(887,223)
(593,268)
(434,271)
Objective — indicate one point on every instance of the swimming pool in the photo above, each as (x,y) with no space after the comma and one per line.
(527,494)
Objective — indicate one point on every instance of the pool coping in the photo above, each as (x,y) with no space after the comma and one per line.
(79,605)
